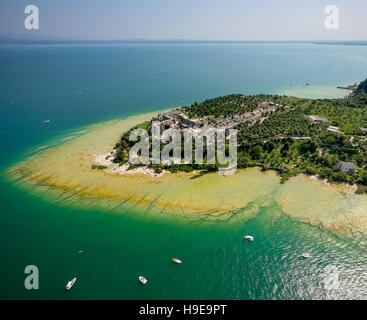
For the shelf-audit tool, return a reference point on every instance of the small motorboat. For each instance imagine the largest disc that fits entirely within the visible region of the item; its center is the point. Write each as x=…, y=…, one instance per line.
x=175, y=260
x=70, y=283
x=249, y=238
x=306, y=255
x=46, y=121
x=143, y=280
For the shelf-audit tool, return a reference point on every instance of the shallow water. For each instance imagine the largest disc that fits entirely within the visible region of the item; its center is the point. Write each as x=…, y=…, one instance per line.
x=39, y=83
x=63, y=174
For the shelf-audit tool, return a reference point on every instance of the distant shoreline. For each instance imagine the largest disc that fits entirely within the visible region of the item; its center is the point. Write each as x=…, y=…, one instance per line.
x=28, y=40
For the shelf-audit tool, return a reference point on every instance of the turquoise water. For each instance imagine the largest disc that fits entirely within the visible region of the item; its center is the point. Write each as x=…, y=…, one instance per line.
x=75, y=85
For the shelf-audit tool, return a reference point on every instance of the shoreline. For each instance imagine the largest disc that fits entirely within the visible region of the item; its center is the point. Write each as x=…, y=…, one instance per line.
x=65, y=171
x=113, y=168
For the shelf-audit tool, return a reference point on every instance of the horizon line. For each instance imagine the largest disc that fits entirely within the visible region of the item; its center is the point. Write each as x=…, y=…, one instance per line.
x=22, y=38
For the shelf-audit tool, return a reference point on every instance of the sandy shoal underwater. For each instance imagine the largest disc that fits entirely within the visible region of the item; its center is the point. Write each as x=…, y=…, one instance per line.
x=64, y=172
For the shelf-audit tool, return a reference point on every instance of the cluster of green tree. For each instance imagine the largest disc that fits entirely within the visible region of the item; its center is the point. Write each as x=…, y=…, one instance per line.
x=359, y=97
x=288, y=123
x=348, y=118
x=291, y=157
x=226, y=106
x=362, y=87
x=275, y=142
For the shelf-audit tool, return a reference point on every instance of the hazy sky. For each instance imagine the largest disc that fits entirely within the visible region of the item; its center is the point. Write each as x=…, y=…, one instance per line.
x=188, y=19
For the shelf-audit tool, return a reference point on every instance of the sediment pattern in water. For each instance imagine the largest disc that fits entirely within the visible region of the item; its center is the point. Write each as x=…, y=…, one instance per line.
x=63, y=173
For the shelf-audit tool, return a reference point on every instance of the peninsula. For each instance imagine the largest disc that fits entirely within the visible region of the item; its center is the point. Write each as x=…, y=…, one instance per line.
x=297, y=138
x=322, y=137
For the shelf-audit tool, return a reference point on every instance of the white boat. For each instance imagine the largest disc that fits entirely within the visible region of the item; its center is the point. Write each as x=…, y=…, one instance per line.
x=306, y=255
x=70, y=283
x=175, y=260
x=46, y=121
x=143, y=280
x=249, y=238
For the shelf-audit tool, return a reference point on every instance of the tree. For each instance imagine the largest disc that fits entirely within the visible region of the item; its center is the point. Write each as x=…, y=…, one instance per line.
x=308, y=146
x=256, y=152
x=330, y=139
x=269, y=146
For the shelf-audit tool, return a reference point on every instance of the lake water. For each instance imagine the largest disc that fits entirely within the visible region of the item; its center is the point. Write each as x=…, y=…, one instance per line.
x=77, y=85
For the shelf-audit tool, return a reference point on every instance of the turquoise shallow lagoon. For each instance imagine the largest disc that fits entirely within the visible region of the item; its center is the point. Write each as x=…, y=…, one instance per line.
x=77, y=85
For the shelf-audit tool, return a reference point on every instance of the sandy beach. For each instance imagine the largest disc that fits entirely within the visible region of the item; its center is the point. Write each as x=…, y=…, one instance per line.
x=105, y=159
